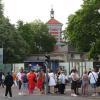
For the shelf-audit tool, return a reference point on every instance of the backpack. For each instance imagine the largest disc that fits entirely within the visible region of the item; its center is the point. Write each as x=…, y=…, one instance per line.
x=99, y=75
x=8, y=80
x=25, y=80
x=85, y=77
x=98, y=80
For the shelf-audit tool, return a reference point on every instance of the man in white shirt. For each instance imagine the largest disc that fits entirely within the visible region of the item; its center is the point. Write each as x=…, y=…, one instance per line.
x=62, y=77
x=93, y=78
x=19, y=77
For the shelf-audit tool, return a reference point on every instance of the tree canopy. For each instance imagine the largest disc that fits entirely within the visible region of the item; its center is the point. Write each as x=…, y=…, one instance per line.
x=83, y=30
x=14, y=47
x=1, y=8
x=23, y=40
x=36, y=35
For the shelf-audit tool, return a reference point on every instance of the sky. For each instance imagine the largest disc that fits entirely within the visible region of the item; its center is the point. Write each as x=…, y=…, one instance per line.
x=30, y=10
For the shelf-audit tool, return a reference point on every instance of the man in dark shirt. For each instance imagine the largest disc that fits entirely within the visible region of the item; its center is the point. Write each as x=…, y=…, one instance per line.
x=8, y=82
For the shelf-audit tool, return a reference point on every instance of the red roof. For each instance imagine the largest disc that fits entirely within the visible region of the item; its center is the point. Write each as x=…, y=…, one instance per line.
x=53, y=21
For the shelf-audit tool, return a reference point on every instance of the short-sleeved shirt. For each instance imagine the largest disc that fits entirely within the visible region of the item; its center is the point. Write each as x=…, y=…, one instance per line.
x=19, y=75
x=74, y=76
x=93, y=77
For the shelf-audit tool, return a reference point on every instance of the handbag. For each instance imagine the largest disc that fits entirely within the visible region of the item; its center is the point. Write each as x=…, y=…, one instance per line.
x=79, y=83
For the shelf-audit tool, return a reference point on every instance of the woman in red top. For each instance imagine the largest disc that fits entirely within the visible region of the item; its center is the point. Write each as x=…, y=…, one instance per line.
x=31, y=81
x=40, y=80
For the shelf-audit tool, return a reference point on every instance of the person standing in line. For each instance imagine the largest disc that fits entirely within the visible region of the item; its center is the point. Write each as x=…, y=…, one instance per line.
x=98, y=84
x=62, y=79
x=52, y=82
x=44, y=81
x=57, y=82
x=85, y=83
x=19, y=78
x=24, y=83
x=14, y=78
x=40, y=80
x=0, y=77
x=75, y=77
x=31, y=76
x=93, y=78
x=3, y=78
x=8, y=82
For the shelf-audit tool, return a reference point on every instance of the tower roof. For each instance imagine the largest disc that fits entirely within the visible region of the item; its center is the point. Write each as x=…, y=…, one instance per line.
x=53, y=21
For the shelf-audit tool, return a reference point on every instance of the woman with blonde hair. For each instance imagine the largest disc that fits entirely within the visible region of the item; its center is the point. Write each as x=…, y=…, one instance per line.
x=85, y=83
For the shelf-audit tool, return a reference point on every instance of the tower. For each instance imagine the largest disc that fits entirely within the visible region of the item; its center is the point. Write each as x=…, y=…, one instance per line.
x=52, y=13
x=55, y=29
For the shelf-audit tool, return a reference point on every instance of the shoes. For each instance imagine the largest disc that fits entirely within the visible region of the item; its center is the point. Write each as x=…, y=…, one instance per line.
x=9, y=97
x=5, y=96
x=19, y=93
x=74, y=95
x=78, y=94
x=93, y=95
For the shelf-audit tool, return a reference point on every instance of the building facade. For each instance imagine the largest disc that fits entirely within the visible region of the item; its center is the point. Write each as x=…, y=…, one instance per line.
x=55, y=29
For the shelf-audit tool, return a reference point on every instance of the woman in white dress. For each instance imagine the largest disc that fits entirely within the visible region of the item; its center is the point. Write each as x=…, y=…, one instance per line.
x=52, y=81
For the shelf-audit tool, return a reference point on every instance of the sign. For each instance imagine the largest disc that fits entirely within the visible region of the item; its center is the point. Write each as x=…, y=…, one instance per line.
x=56, y=58
x=1, y=55
x=96, y=64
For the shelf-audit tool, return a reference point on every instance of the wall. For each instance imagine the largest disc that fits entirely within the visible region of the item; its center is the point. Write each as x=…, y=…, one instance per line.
x=17, y=67
x=6, y=67
x=80, y=66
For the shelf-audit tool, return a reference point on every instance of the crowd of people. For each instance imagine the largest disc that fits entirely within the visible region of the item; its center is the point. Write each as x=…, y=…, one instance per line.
x=52, y=83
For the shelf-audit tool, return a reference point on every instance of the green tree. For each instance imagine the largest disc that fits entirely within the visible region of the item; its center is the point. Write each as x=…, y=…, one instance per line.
x=37, y=36
x=25, y=31
x=1, y=8
x=43, y=41
x=83, y=29
x=25, y=40
x=15, y=49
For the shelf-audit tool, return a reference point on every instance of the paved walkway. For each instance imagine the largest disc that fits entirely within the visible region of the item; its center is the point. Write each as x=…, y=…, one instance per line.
x=45, y=97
